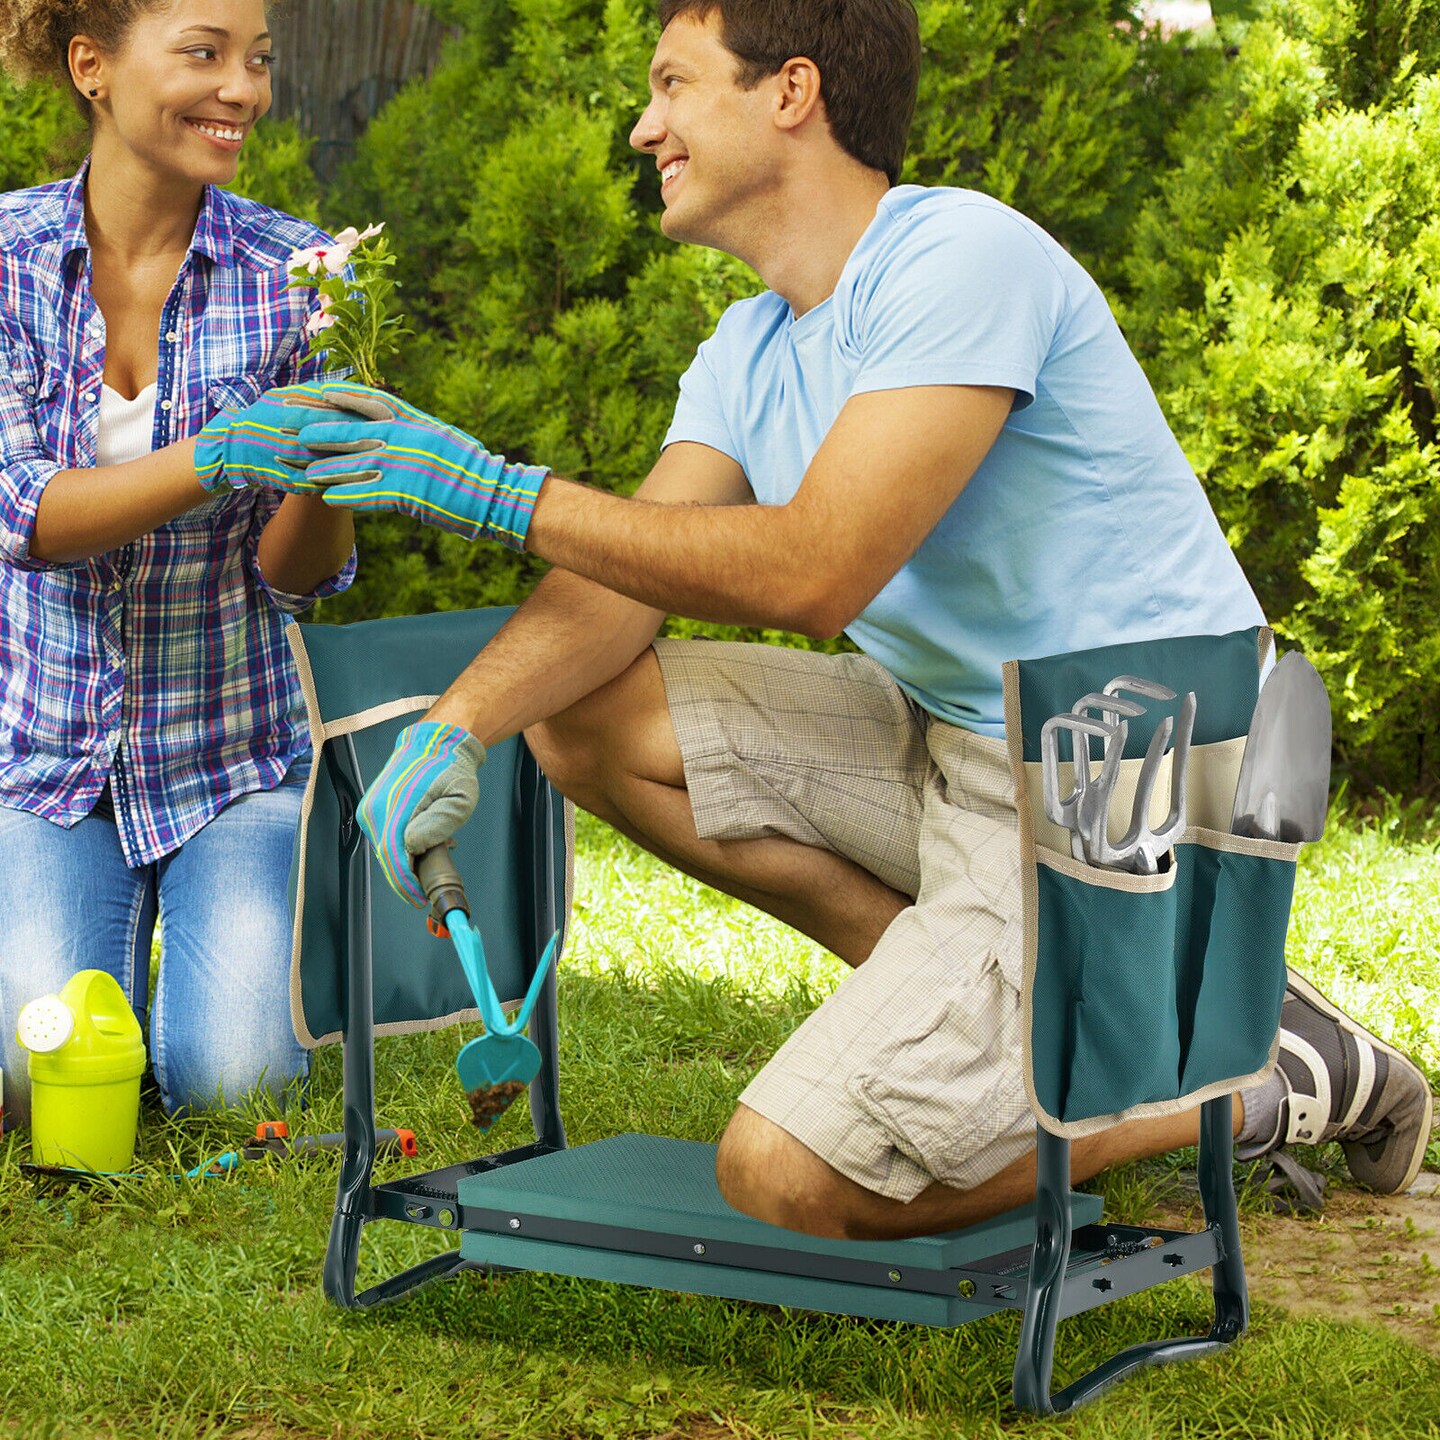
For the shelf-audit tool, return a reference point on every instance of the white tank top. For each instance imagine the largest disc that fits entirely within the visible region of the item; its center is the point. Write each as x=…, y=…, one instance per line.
x=125, y=426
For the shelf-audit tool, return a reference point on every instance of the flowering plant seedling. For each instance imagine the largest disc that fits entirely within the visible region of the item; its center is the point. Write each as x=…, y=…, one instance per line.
x=357, y=323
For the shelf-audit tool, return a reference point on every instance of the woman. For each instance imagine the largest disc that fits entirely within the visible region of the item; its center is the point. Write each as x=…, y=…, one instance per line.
x=152, y=741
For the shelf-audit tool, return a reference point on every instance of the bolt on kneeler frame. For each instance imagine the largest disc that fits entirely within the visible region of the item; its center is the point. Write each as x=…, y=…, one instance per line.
x=645, y=1210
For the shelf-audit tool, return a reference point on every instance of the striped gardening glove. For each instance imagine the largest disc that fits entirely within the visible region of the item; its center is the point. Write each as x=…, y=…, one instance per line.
x=400, y=458
x=425, y=793
x=260, y=445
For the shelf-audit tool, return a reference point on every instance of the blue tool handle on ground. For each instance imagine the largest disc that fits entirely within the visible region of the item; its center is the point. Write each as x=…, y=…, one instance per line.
x=218, y=1166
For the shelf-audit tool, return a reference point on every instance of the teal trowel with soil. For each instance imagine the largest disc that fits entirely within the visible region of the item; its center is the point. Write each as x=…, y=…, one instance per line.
x=495, y=1068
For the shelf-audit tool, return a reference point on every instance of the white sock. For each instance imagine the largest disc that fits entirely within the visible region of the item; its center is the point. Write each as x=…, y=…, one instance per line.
x=1260, y=1126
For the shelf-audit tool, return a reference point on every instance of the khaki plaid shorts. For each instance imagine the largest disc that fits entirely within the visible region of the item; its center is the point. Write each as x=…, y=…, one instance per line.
x=910, y=1072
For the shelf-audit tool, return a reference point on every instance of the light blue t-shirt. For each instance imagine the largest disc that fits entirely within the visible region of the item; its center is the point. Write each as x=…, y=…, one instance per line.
x=1084, y=525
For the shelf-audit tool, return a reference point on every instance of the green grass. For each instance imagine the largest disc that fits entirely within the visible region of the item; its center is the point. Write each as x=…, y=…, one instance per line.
x=193, y=1309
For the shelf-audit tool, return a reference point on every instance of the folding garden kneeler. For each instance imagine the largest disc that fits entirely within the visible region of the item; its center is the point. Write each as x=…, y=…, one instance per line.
x=1145, y=994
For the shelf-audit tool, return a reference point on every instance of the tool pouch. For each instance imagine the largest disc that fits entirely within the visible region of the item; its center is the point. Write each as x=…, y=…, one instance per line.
x=1146, y=994
x=363, y=684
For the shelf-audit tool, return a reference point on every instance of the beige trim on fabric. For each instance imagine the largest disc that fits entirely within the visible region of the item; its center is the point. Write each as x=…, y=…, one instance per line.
x=307, y=804
x=408, y=1027
x=1108, y=879
x=1210, y=798
x=1029, y=885
x=378, y=714
x=1078, y=1129
x=1243, y=844
x=1265, y=650
x=320, y=732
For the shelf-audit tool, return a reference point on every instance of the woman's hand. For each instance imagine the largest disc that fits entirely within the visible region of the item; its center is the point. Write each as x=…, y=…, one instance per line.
x=260, y=445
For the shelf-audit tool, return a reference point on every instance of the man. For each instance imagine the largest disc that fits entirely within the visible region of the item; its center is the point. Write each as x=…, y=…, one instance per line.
x=929, y=434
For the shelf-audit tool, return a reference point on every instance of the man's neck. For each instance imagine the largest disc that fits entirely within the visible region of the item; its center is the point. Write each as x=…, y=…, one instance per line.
x=801, y=253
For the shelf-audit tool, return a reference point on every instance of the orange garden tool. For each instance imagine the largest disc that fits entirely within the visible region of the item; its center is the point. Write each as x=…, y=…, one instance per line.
x=272, y=1137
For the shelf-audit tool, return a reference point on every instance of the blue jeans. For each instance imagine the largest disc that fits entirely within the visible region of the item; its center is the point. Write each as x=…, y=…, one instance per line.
x=221, y=1020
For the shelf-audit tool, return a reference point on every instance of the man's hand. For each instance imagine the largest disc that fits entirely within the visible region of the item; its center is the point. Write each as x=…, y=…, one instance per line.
x=399, y=458
x=260, y=445
x=425, y=793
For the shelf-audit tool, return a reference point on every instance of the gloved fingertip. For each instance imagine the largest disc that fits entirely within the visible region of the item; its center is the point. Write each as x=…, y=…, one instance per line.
x=355, y=485
x=360, y=400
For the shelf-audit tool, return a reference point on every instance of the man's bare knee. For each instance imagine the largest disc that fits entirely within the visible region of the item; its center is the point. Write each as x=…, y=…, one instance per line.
x=749, y=1164
x=766, y=1173
x=623, y=728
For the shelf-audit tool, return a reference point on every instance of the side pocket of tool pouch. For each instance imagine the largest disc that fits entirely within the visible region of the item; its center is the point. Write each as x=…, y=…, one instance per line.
x=1105, y=1019
x=1235, y=901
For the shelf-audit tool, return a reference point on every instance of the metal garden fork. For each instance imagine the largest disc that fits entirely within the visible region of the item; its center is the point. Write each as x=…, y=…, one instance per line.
x=1085, y=811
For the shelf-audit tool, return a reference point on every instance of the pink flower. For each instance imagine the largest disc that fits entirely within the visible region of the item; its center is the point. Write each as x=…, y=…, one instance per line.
x=309, y=260
x=320, y=320
x=337, y=255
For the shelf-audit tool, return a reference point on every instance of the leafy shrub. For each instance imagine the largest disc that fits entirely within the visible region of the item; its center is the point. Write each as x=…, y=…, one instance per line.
x=42, y=137
x=1284, y=296
x=275, y=170
x=1058, y=107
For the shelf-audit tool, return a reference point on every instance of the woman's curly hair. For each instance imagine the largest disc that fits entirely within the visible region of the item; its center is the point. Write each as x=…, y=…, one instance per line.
x=35, y=35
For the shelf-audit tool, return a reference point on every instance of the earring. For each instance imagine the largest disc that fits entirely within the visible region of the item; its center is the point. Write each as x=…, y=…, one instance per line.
x=94, y=93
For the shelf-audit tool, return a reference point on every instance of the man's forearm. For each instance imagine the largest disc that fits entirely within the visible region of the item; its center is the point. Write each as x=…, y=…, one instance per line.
x=568, y=639
x=733, y=564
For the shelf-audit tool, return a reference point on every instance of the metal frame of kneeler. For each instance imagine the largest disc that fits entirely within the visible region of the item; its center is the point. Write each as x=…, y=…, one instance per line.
x=645, y=1210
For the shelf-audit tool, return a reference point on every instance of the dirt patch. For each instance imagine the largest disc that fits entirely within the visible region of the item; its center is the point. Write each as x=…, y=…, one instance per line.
x=703, y=1428
x=1368, y=1257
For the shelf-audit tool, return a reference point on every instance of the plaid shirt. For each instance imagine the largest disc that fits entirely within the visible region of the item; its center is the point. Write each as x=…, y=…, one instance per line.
x=161, y=666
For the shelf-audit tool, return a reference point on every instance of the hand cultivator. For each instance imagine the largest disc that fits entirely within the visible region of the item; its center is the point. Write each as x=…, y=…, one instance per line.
x=494, y=1068
x=1085, y=811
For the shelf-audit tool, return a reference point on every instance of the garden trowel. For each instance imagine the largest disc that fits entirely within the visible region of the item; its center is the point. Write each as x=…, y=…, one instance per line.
x=1284, y=787
x=494, y=1068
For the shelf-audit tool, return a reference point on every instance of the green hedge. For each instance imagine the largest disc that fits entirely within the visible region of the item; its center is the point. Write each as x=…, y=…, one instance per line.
x=1261, y=207
x=1283, y=290
x=41, y=136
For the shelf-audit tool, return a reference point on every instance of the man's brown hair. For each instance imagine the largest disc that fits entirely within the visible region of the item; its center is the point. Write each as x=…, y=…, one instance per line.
x=867, y=52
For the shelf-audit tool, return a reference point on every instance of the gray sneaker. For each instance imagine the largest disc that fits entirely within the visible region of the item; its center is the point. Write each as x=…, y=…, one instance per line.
x=1343, y=1083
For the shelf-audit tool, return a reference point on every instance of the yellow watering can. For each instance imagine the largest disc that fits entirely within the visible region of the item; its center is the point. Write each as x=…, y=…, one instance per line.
x=86, y=1058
